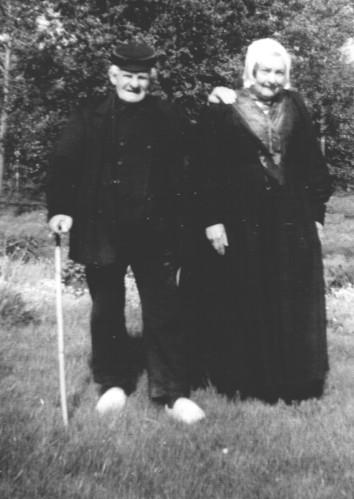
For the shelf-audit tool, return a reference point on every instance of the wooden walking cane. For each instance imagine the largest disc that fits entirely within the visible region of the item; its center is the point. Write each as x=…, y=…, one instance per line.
x=59, y=311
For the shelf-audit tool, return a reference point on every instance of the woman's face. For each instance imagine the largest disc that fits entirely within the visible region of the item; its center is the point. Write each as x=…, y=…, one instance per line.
x=270, y=76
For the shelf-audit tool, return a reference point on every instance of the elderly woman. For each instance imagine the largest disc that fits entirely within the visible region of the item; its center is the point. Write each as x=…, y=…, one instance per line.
x=263, y=195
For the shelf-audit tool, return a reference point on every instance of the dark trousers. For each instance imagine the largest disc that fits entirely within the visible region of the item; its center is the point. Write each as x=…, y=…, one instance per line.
x=115, y=356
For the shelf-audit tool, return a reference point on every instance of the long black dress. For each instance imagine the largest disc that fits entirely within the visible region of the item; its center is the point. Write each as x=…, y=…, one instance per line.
x=262, y=318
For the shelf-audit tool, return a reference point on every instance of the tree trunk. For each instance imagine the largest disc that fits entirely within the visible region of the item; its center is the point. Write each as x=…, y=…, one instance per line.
x=4, y=109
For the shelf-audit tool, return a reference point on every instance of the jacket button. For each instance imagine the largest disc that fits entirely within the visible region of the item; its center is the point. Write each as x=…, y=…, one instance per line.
x=149, y=146
x=122, y=143
x=119, y=162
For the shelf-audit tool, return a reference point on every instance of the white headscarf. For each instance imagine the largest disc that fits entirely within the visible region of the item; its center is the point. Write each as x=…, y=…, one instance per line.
x=255, y=53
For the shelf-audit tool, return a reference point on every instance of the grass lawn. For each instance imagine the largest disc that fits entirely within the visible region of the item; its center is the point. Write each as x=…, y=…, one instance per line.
x=243, y=450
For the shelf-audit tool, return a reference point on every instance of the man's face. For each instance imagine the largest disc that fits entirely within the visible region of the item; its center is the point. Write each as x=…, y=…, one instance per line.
x=130, y=87
x=269, y=77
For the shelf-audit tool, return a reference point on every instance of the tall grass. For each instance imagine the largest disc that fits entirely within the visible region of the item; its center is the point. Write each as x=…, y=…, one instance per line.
x=243, y=450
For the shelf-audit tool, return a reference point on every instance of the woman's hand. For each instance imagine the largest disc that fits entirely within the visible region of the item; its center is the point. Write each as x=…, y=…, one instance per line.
x=218, y=237
x=223, y=95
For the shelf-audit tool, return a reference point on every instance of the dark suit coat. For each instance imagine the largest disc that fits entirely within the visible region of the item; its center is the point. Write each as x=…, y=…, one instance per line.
x=84, y=182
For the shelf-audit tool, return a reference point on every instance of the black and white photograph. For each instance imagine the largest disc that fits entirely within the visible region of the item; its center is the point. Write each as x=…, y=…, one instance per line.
x=177, y=249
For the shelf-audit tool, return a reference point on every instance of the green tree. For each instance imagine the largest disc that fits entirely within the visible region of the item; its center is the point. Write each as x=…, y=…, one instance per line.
x=61, y=49
x=68, y=61
x=17, y=20
x=314, y=31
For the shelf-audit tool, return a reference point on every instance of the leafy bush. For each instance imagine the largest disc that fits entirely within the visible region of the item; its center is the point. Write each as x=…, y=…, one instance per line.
x=74, y=278
x=339, y=272
x=200, y=44
x=14, y=311
x=25, y=236
x=23, y=248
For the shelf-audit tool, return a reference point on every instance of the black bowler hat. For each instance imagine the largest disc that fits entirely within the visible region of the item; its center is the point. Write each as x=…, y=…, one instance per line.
x=134, y=56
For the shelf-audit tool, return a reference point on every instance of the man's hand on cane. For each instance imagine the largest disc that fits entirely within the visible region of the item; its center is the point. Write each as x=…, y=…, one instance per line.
x=60, y=224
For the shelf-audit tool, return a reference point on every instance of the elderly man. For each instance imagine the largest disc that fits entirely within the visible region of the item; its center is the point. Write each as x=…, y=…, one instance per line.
x=114, y=183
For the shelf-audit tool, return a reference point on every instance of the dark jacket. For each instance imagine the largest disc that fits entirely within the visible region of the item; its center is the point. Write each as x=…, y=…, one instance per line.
x=100, y=175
